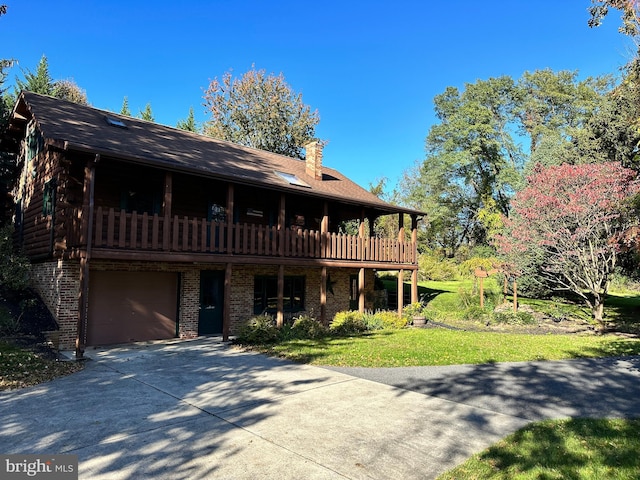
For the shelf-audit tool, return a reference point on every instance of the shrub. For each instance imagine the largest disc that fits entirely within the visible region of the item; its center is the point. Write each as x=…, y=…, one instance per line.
x=467, y=267
x=511, y=318
x=389, y=319
x=476, y=314
x=258, y=330
x=305, y=326
x=14, y=267
x=348, y=323
x=435, y=267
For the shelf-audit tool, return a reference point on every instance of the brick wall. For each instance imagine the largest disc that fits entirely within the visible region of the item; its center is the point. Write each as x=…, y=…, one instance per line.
x=58, y=283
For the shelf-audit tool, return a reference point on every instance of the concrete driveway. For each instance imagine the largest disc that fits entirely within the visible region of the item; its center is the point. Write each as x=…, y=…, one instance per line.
x=201, y=409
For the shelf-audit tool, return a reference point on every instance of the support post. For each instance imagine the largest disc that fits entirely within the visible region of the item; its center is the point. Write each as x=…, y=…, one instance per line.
x=280, y=305
x=87, y=229
x=230, y=198
x=226, y=309
x=281, y=224
x=323, y=297
x=361, y=290
x=168, y=194
x=400, y=292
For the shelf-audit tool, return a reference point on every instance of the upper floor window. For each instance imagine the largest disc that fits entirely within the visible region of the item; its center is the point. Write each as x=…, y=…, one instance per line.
x=49, y=198
x=34, y=141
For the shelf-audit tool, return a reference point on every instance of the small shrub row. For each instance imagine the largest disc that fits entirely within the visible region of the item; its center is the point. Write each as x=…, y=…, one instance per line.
x=262, y=329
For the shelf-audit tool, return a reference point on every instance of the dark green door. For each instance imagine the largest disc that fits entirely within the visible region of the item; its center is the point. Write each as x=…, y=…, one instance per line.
x=211, y=298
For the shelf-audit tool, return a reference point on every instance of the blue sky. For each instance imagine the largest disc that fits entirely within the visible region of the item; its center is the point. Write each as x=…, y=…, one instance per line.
x=370, y=68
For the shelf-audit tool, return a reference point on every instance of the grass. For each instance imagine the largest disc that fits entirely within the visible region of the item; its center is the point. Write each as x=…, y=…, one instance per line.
x=559, y=449
x=423, y=347
x=20, y=367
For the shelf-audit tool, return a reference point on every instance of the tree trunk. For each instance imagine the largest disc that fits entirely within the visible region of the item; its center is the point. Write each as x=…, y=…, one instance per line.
x=597, y=312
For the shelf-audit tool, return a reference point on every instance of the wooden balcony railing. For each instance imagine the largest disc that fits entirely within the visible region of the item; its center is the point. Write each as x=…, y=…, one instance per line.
x=142, y=232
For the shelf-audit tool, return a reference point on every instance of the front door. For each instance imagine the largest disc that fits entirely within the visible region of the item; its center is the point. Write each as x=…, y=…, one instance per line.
x=211, y=299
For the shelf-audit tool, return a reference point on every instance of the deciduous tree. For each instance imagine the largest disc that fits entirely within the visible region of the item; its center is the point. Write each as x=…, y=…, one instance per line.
x=630, y=14
x=260, y=111
x=566, y=220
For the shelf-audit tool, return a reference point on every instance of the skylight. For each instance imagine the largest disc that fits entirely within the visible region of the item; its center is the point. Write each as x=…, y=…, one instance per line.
x=115, y=122
x=291, y=179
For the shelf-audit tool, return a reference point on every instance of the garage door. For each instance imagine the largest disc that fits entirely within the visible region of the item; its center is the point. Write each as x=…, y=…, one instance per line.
x=131, y=307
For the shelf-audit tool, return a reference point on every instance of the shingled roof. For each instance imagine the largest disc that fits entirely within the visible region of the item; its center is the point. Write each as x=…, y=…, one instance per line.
x=83, y=128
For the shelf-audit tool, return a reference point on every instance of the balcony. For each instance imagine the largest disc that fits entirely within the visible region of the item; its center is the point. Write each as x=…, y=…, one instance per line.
x=118, y=231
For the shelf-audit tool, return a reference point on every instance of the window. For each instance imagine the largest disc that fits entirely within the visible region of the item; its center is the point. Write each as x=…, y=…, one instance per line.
x=291, y=179
x=49, y=198
x=115, y=122
x=35, y=142
x=265, y=294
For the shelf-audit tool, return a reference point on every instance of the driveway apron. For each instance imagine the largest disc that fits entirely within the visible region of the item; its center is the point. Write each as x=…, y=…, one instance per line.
x=203, y=409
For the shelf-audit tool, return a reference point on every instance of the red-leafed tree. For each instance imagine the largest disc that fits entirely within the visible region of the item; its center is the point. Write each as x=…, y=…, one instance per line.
x=566, y=221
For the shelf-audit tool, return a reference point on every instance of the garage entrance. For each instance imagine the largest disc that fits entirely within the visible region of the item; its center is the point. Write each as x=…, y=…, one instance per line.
x=129, y=307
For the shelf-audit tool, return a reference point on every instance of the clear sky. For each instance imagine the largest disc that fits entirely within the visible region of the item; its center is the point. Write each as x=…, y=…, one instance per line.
x=370, y=68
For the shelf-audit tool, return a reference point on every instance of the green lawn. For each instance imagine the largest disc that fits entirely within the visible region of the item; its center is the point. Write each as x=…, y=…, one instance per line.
x=422, y=347
x=560, y=449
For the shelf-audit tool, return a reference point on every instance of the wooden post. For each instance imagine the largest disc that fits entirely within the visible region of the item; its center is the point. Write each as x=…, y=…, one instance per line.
x=481, y=292
x=323, y=297
x=168, y=193
x=87, y=228
x=324, y=231
x=230, y=198
x=281, y=224
x=515, y=296
x=226, y=309
x=361, y=289
x=400, y=292
x=280, y=305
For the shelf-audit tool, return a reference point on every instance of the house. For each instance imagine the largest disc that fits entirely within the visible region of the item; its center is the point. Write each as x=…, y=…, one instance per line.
x=138, y=231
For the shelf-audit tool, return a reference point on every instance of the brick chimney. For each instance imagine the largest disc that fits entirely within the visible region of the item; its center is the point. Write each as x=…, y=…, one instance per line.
x=313, y=159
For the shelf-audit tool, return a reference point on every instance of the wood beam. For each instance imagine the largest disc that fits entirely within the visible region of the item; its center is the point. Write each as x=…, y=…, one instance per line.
x=229, y=212
x=281, y=224
x=400, y=291
x=323, y=297
x=226, y=308
x=361, y=290
x=280, y=306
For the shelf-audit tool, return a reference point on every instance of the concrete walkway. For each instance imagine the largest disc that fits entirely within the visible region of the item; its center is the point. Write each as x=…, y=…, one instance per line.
x=201, y=409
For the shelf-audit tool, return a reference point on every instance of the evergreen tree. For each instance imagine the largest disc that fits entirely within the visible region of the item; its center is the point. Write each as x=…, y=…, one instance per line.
x=38, y=82
x=189, y=124
x=125, y=107
x=147, y=114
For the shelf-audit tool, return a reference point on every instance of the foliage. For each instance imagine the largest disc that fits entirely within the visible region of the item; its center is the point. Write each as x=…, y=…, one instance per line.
x=305, y=326
x=38, y=82
x=348, y=323
x=514, y=318
x=433, y=266
x=42, y=83
x=258, y=330
x=569, y=214
x=468, y=267
x=147, y=114
x=189, y=124
x=388, y=319
x=629, y=8
x=260, y=111
x=14, y=267
x=475, y=154
x=577, y=448
x=125, y=107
